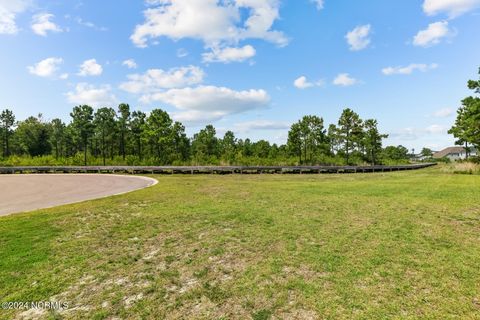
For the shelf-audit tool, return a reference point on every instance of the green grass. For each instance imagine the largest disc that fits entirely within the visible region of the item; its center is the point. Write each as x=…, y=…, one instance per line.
x=399, y=245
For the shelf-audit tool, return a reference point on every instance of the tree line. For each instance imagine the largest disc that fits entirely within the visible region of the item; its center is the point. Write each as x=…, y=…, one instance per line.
x=121, y=136
x=467, y=124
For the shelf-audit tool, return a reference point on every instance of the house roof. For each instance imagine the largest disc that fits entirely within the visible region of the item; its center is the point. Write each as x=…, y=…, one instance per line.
x=447, y=151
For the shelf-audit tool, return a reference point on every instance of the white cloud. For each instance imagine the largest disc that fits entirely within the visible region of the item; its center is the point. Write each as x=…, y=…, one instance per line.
x=453, y=8
x=407, y=134
x=84, y=23
x=303, y=83
x=15, y=5
x=409, y=69
x=46, y=67
x=432, y=35
x=410, y=134
x=89, y=24
x=229, y=54
x=248, y=126
x=91, y=95
x=444, y=113
x=320, y=4
x=344, y=79
x=154, y=80
x=358, y=38
x=209, y=103
x=7, y=22
x=182, y=53
x=130, y=64
x=41, y=24
x=436, y=129
x=8, y=12
x=64, y=76
x=213, y=22
x=90, y=68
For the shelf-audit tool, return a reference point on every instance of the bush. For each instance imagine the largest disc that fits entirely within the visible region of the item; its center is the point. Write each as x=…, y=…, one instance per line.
x=239, y=159
x=474, y=159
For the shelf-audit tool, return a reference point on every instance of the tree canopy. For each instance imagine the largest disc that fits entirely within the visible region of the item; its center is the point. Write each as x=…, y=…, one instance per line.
x=122, y=136
x=467, y=124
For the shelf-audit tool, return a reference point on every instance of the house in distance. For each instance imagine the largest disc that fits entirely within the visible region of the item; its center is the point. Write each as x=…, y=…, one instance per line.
x=454, y=153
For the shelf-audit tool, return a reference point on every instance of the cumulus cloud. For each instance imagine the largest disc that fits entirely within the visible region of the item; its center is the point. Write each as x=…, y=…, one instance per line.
x=213, y=22
x=358, y=39
x=41, y=24
x=130, y=64
x=248, y=126
x=453, y=8
x=9, y=9
x=303, y=83
x=7, y=22
x=433, y=35
x=90, y=68
x=94, y=96
x=229, y=54
x=444, y=113
x=345, y=80
x=46, y=67
x=409, y=69
x=319, y=3
x=154, y=80
x=209, y=103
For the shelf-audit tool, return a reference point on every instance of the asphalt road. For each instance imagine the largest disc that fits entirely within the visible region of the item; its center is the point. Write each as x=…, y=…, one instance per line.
x=20, y=193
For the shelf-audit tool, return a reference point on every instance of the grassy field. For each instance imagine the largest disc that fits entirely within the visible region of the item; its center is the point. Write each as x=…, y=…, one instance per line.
x=369, y=246
x=461, y=168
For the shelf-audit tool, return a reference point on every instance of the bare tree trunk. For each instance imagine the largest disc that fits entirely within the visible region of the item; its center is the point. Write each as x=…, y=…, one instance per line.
x=123, y=144
x=85, y=152
x=139, y=143
x=103, y=147
x=6, y=150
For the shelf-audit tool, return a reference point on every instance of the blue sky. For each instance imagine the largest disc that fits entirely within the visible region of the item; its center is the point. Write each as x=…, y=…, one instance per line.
x=251, y=66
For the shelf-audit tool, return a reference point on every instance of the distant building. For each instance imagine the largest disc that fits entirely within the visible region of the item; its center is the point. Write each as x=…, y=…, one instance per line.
x=454, y=153
x=421, y=157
